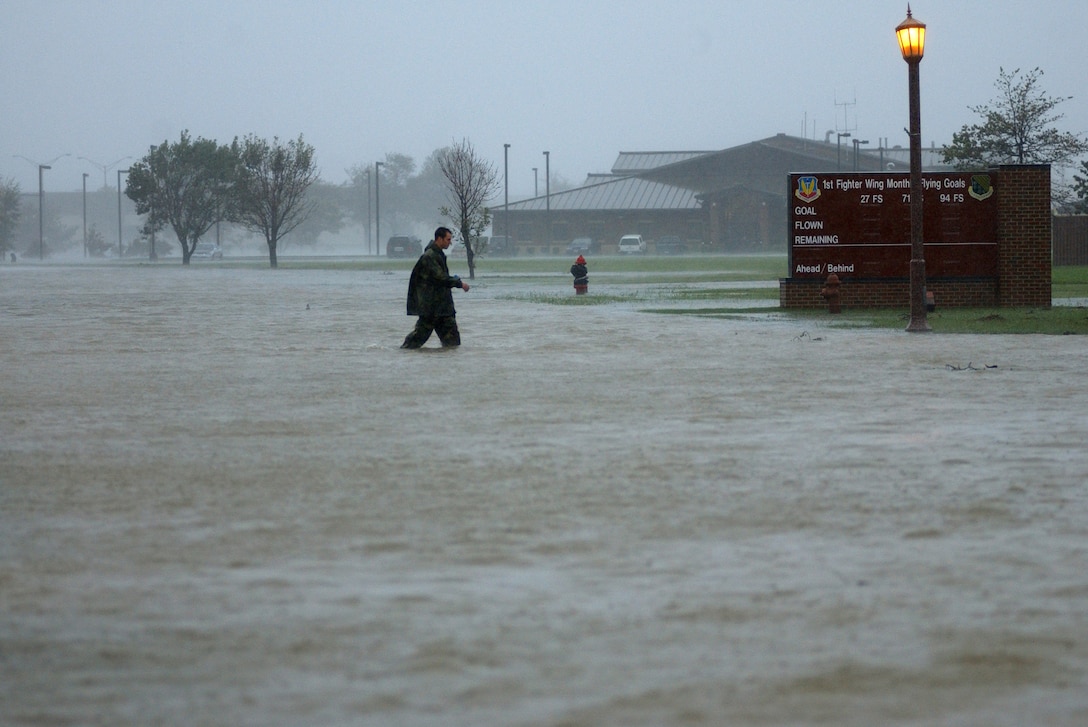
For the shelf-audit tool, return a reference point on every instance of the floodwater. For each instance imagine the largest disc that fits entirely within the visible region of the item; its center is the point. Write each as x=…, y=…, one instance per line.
x=228, y=498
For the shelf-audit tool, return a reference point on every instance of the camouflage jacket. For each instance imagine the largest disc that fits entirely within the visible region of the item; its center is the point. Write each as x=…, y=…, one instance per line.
x=430, y=289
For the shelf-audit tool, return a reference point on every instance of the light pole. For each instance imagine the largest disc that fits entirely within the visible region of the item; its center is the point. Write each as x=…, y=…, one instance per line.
x=911, y=35
x=838, y=155
x=506, y=192
x=857, y=143
x=377, y=208
x=368, y=213
x=41, y=198
x=41, y=208
x=547, y=197
x=105, y=167
x=120, y=245
x=85, y=175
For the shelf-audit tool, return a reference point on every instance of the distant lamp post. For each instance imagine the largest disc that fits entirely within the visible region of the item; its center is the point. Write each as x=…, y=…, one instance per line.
x=105, y=167
x=377, y=208
x=120, y=243
x=41, y=198
x=506, y=192
x=857, y=143
x=547, y=197
x=368, y=213
x=85, y=175
x=911, y=35
x=838, y=150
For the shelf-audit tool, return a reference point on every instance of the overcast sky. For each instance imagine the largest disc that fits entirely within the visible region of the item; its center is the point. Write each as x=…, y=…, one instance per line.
x=583, y=79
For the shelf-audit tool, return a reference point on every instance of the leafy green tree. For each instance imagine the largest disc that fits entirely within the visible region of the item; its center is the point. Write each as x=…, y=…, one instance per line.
x=1080, y=189
x=186, y=185
x=10, y=210
x=471, y=182
x=270, y=191
x=1017, y=128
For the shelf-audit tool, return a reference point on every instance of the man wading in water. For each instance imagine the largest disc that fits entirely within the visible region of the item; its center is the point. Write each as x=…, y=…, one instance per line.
x=430, y=295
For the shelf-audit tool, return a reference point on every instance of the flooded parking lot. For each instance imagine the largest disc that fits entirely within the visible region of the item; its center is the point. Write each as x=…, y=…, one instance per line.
x=227, y=497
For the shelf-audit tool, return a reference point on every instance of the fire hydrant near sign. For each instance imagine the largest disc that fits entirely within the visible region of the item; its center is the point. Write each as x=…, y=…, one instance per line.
x=830, y=293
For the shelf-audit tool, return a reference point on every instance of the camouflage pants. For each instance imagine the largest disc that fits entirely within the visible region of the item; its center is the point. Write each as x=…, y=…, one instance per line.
x=445, y=326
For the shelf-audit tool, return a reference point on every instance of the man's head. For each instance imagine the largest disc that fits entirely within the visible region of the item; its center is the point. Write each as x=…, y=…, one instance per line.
x=443, y=237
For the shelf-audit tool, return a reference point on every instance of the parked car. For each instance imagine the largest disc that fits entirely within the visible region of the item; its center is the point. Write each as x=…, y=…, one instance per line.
x=671, y=245
x=583, y=246
x=206, y=251
x=632, y=244
x=403, y=246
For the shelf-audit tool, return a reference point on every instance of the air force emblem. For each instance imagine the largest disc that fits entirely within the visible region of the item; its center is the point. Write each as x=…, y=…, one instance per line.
x=807, y=189
x=980, y=186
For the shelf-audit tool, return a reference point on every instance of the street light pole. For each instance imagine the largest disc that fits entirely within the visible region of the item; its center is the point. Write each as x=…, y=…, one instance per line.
x=41, y=208
x=506, y=192
x=838, y=155
x=547, y=198
x=857, y=143
x=105, y=167
x=120, y=244
x=368, y=213
x=85, y=175
x=377, y=208
x=911, y=35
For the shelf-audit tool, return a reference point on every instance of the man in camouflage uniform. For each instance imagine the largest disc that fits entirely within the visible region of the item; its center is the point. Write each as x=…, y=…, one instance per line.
x=430, y=295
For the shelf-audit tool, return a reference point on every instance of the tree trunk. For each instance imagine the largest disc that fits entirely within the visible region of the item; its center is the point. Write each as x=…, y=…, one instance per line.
x=272, y=255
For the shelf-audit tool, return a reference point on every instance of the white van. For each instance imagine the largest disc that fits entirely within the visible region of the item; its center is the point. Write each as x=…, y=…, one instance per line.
x=632, y=244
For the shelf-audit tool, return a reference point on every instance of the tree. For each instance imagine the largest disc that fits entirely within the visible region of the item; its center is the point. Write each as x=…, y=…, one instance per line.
x=10, y=209
x=1080, y=189
x=270, y=191
x=471, y=182
x=186, y=185
x=1016, y=128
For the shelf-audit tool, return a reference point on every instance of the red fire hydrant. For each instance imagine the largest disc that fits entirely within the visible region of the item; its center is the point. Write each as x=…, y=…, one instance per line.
x=830, y=293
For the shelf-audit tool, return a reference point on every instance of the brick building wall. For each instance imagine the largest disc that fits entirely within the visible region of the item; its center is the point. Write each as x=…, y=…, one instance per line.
x=1024, y=258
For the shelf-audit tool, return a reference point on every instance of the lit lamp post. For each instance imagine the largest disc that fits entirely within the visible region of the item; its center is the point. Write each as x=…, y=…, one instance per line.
x=912, y=40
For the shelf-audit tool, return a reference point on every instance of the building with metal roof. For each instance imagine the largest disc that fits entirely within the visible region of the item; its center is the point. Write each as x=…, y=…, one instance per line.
x=729, y=200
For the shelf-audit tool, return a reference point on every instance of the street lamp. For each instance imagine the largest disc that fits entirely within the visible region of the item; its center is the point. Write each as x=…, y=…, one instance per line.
x=120, y=245
x=911, y=35
x=41, y=198
x=857, y=143
x=368, y=213
x=838, y=155
x=377, y=208
x=547, y=197
x=506, y=193
x=105, y=167
x=85, y=175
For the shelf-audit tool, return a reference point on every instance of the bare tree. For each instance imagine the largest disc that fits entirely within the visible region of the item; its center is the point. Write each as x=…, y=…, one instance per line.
x=472, y=181
x=270, y=192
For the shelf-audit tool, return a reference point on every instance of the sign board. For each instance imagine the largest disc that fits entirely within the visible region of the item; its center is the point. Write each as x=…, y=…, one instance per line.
x=857, y=225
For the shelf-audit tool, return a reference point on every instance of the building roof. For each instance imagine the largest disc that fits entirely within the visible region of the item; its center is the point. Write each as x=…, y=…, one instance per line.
x=633, y=162
x=621, y=193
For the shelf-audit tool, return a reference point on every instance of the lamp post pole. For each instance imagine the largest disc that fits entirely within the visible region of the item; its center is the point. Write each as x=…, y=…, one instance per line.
x=857, y=143
x=368, y=212
x=506, y=192
x=547, y=198
x=41, y=200
x=377, y=208
x=911, y=35
x=838, y=149
x=85, y=175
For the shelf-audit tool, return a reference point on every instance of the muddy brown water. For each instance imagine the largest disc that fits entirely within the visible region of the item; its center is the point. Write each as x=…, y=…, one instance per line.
x=228, y=498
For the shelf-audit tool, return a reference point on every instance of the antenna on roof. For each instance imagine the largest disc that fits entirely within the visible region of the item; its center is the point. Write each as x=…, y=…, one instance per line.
x=846, y=127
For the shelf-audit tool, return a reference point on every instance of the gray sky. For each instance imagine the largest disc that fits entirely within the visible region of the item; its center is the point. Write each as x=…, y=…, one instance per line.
x=584, y=79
